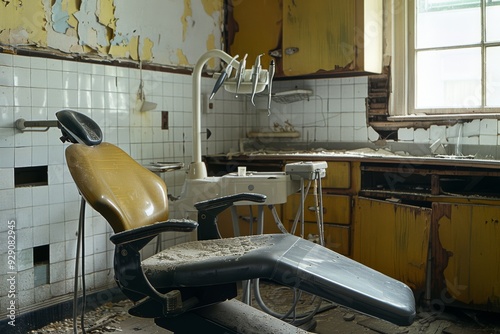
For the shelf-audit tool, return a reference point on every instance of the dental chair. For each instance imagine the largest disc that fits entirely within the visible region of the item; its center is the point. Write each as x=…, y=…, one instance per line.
x=192, y=286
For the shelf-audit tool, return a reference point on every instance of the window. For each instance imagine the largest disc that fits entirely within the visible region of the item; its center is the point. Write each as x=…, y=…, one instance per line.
x=453, y=56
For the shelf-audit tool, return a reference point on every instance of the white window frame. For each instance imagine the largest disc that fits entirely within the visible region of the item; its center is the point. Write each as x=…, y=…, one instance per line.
x=402, y=100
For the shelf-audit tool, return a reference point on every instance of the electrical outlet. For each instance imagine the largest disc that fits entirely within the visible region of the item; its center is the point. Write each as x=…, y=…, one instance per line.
x=164, y=120
x=207, y=104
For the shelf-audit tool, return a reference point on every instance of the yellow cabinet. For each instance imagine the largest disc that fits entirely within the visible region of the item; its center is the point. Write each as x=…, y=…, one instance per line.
x=338, y=175
x=244, y=215
x=336, y=236
x=466, y=254
x=336, y=218
x=336, y=208
x=393, y=239
x=307, y=38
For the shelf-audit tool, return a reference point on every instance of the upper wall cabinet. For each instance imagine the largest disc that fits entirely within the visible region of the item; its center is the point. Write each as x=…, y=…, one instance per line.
x=308, y=38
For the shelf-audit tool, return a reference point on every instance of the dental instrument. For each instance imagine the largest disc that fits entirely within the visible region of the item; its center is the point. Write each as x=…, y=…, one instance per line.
x=240, y=74
x=223, y=76
x=272, y=69
x=255, y=76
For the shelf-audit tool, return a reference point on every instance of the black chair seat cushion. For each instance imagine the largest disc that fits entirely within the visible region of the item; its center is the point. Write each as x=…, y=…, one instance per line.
x=284, y=259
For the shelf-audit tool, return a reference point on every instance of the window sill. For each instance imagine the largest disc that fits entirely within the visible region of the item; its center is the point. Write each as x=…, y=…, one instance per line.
x=443, y=117
x=393, y=123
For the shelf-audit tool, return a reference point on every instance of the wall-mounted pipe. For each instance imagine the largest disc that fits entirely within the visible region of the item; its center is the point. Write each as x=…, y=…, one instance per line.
x=21, y=124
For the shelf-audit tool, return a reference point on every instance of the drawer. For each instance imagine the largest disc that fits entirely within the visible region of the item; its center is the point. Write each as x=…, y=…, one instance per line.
x=338, y=175
x=336, y=208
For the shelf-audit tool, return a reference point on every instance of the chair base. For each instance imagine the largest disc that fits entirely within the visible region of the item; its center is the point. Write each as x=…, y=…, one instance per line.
x=230, y=317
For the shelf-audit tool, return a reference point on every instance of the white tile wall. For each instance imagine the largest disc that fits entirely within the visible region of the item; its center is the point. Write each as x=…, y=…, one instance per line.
x=336, y=111
x=36, y=88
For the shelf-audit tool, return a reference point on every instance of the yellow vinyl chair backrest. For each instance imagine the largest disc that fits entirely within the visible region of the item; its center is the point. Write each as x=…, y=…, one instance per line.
x=124, y=192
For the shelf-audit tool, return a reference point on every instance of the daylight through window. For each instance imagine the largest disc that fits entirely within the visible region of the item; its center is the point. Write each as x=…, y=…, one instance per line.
x=456, y=50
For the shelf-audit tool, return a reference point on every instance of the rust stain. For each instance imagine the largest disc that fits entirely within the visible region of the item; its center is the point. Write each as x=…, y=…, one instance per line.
x=182, y=58
x=188, y=12
x=440, y=255
x=212, y=6
x=147, y=50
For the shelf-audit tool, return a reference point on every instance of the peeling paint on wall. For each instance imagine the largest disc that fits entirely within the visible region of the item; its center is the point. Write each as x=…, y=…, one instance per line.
x=165, y=32
x=59, y=18
x=22, y=23
x=90, y=31
x=187, y=18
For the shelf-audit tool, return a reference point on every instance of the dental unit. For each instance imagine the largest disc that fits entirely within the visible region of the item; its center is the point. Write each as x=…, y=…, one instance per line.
x=198, y=186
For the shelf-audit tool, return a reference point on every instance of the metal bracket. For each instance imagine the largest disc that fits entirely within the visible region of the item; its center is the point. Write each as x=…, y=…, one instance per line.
x=21, y=124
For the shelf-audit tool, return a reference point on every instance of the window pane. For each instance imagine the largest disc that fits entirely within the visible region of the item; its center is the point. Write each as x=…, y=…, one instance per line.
x=447, y=23
x=493, y=22
x=448, y=78
x=493, y=77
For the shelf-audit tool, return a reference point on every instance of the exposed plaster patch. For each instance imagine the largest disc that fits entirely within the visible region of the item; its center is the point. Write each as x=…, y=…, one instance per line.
x=210, y=42
x=23, y=23
x=90, y=31
x=68, y=40
x=147, y=50
x=183, y=61
x=71, y=7
x=59, y=17
x=106, y=14
x=187, y=18
x=212, y=7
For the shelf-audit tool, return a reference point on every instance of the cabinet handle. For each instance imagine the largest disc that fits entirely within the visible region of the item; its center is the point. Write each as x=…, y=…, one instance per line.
x=313, y=209
x=277, y=53
x=291, y=50
x=247, y=219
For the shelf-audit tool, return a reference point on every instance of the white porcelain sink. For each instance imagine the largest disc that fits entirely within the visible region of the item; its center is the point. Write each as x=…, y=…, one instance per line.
x=277, y=186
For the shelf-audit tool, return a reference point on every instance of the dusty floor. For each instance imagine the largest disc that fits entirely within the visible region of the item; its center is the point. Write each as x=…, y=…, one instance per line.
x=331, y=319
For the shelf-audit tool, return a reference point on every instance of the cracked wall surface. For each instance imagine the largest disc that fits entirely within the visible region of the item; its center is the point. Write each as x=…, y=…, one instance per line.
x=165, y=32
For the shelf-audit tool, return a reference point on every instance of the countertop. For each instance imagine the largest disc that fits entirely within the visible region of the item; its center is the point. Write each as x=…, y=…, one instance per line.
x=366, y=155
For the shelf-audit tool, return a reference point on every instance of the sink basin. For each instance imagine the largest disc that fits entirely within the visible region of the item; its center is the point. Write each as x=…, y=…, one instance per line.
x=277, y=186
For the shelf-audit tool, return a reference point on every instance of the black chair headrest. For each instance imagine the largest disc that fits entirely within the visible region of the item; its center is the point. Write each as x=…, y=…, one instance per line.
x=78, y=128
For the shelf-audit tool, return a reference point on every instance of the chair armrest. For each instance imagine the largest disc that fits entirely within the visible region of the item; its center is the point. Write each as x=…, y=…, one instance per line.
x=150, y=231
x=227, y=201
x=209, y=209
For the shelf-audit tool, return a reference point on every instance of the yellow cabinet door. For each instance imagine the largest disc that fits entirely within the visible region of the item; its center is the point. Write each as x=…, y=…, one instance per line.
x=329, y=35
x=393, y=239
x=254, y=28
x=308, y=37
x=338, y=175
x=466, y=254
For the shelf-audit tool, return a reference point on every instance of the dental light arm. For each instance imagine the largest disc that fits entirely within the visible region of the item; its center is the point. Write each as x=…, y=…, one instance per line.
x=197, y=169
